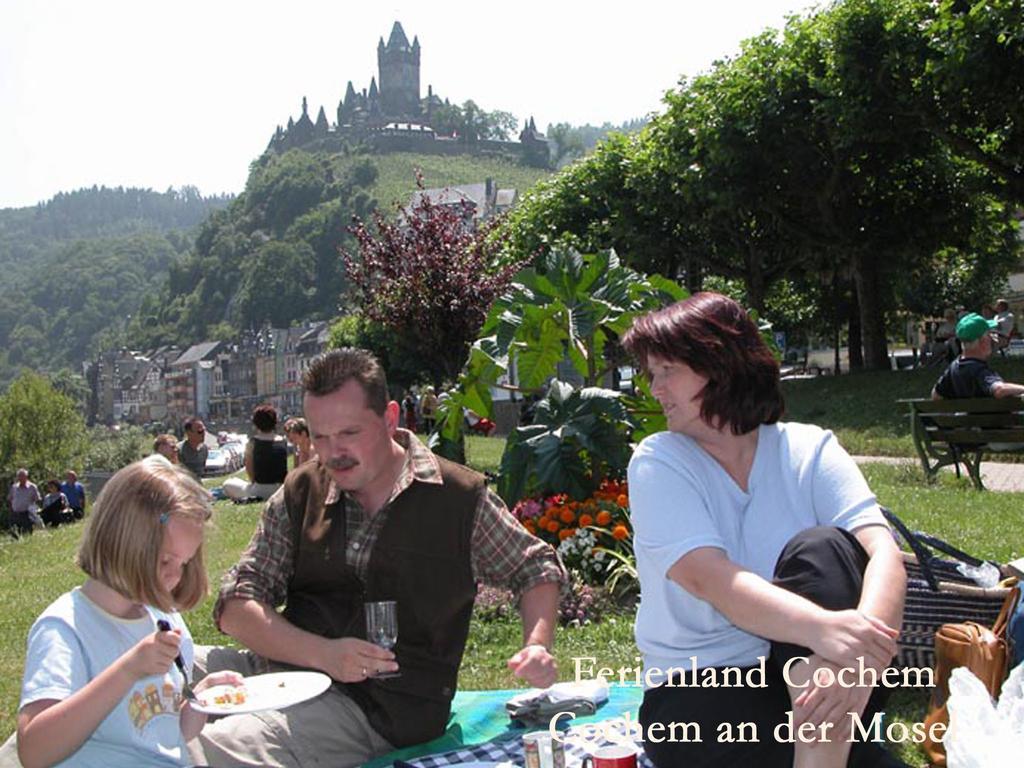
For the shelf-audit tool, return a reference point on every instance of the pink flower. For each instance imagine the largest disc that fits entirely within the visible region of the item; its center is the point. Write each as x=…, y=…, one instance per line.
x=528, y=508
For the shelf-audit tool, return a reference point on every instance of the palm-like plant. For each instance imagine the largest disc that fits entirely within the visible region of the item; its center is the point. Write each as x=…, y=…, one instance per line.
x=579, y=437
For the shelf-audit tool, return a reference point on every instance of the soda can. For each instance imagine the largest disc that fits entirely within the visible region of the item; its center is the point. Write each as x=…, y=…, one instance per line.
x=541, y=751
x=557, y=754
x=531, y=749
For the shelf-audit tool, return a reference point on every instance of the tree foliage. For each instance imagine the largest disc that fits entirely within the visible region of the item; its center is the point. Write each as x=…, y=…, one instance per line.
x=429, y=277
x=470, y=123
x=804, y=158
x=571, y=142
x=40, y=429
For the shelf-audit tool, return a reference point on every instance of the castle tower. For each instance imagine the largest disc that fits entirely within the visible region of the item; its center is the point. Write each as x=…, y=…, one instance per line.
x=399, y=67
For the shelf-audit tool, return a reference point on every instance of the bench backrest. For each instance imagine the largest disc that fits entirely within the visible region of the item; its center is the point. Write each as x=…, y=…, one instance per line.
x=972, y=421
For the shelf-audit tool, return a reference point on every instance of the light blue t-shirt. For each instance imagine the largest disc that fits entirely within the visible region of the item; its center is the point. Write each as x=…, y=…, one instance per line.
x=70, y=644
x=682, y=499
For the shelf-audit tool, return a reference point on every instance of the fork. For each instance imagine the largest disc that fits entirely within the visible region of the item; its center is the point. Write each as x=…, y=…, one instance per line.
x=186, y=688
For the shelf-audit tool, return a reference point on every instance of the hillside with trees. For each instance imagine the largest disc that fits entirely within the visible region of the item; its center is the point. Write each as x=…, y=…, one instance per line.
x=273, y=255
x=79, y=265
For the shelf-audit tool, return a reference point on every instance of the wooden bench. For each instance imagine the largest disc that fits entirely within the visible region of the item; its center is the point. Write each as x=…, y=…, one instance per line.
x=960, y=431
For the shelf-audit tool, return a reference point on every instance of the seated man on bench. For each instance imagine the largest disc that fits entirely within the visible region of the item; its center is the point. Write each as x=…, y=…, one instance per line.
x=969, y=375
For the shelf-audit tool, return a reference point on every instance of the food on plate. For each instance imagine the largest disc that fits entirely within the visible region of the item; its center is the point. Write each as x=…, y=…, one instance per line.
x=224, y=696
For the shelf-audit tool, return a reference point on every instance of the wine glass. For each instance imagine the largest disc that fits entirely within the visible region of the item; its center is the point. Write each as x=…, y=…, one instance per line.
x=382, y=628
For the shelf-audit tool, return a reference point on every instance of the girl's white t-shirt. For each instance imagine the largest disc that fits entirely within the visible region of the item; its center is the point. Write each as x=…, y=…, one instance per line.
x=74, y=640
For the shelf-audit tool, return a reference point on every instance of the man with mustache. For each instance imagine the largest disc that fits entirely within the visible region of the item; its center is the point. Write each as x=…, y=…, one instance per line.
x=376, y=517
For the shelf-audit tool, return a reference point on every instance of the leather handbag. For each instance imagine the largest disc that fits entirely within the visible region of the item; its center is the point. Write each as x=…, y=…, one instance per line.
x=982, y=650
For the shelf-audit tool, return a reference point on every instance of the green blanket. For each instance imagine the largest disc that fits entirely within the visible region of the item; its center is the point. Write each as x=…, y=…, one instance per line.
x=479, y=716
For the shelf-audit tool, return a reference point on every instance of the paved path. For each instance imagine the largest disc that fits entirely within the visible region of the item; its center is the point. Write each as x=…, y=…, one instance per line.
x=997, y=476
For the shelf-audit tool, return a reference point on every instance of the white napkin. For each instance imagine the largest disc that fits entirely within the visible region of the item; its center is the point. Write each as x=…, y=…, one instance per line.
x=594, y=691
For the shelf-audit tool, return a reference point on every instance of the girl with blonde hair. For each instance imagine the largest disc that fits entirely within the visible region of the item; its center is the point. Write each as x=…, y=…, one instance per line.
x=101, y=687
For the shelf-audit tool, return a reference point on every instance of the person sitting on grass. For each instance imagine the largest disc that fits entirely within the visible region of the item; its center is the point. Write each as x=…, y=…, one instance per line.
x=23, y=498
x=377, y=517
x=297, y=432
x=101, y=687
x=760, y=551
x=969, y=375
x=167, y=446
x=74, y=492
x=55, y=506
x=266, y=459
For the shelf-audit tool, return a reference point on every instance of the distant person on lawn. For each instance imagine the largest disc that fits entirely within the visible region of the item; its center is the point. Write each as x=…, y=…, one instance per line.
x=167, y=446
x=24, y=499
x=55, y=509
x=192, y=451
x=297, y=432
x=1005, y=324
x=266, y=459
x=74, y=491
x=969, y=375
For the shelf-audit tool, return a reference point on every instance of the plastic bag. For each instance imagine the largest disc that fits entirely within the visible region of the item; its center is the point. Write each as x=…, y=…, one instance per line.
x=981, y=734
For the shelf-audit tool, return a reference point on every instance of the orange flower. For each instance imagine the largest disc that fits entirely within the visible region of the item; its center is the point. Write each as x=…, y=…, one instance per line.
x=622, y=500
x=586, y=520
x=530, y=526
x=619, y=532
x=604, y=517
x=553, y=526
x=565, y=533
x=567, y=516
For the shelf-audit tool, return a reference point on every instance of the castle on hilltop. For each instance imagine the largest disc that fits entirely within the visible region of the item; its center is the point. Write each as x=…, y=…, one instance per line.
x=392, y=116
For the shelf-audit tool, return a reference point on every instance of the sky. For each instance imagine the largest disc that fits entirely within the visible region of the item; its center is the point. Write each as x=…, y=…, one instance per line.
x=155, y=94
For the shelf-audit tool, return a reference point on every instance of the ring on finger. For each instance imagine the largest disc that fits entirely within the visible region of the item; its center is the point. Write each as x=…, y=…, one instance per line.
x=365, y=674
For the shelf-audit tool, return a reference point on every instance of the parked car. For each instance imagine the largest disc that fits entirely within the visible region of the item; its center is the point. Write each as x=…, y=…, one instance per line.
x=218, y=462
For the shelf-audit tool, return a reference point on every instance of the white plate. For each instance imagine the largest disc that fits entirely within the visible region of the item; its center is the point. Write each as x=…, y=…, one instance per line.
x=275, y=690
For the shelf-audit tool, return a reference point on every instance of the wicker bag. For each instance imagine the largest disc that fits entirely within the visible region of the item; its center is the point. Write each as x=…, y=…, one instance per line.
x=937, y=594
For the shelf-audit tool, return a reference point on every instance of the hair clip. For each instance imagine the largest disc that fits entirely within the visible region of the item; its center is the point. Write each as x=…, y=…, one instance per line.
x=164, y=517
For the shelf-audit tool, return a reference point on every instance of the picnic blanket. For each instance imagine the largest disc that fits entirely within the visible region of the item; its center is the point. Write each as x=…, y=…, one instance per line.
x=480, y=729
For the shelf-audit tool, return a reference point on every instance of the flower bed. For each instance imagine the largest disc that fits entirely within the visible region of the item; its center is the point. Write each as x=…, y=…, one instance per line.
x=594, y=536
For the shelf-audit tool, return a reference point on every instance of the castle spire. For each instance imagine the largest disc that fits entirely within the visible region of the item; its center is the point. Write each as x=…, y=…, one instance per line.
x=305, y=107
x=398, y=38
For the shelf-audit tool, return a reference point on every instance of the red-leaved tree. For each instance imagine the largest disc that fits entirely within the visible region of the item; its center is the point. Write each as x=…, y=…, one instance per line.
x=430, y=277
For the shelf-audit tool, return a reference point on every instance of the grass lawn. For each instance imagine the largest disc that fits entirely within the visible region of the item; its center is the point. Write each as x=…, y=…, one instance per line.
x=35, y=571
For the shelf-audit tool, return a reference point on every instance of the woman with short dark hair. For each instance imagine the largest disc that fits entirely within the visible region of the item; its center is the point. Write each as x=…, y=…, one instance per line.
x=761, y=553
x=266, y=459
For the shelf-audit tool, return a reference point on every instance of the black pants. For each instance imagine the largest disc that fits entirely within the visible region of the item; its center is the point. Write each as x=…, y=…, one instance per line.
x=21, y=524
x=825, y=565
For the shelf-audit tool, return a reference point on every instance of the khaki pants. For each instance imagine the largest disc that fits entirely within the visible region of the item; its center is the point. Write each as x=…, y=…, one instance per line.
x=9, y=753
x=330, y=730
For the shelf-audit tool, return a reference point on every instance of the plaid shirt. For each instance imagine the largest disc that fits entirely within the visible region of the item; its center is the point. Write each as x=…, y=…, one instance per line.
x=503, y=553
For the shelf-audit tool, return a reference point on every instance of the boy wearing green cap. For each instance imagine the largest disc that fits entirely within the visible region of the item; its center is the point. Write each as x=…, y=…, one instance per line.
x=969, y=375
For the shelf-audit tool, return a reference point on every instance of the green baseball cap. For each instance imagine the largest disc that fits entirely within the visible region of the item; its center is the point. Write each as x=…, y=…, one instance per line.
x=973, y=326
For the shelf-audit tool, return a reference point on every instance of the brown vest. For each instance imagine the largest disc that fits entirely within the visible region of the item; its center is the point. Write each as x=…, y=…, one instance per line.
x=421, y=560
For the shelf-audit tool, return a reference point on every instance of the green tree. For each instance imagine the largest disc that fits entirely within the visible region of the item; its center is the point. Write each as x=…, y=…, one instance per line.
x=970, y=85
x=470, y=123
x=40, y=429
x=277, y=285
